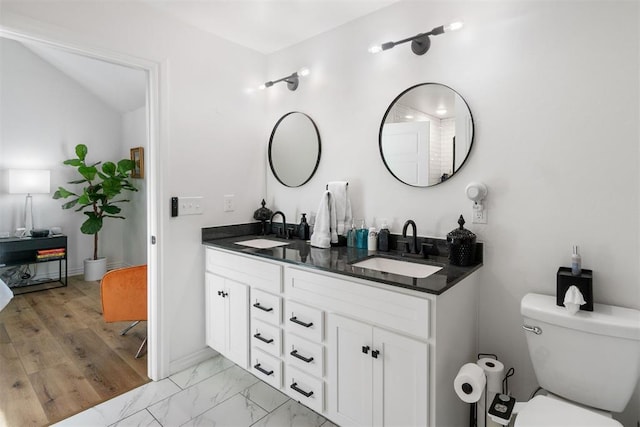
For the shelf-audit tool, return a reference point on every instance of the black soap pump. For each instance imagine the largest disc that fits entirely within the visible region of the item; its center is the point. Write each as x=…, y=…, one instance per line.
x=303, y=228
x=383, y=237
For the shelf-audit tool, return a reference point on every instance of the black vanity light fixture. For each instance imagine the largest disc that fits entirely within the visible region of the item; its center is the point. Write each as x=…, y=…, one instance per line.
x=292, y=80
x=420, y=43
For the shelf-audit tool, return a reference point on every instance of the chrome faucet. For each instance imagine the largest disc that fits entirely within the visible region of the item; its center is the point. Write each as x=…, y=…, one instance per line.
x=285, y=232
x=415, y=236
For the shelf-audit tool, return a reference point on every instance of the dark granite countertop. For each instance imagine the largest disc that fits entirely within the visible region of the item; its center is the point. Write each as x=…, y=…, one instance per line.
x=339, y=259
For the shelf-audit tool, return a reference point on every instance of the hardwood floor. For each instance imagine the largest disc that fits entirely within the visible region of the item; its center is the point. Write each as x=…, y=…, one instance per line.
x=58, y=356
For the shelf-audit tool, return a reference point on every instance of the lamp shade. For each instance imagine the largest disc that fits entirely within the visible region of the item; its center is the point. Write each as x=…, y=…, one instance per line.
x=29, y=181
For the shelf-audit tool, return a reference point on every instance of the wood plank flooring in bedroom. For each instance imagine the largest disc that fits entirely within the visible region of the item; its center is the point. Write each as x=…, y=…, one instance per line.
x=58, y=356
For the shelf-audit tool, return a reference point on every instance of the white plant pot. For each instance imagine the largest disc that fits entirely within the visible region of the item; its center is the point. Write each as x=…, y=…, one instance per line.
x=94, y=269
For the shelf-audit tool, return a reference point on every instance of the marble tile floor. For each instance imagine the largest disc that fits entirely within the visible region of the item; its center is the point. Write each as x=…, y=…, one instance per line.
x=213, y=393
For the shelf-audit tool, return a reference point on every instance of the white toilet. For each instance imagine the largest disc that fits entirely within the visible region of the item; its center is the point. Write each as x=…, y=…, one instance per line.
x=588, y=362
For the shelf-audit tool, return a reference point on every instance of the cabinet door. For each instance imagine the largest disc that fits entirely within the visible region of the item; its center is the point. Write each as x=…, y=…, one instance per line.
x=349, y=371
x=400, y=380
x=237, y=300
x=216, y=316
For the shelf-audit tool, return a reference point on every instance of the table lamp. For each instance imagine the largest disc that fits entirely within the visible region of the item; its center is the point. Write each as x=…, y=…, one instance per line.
x=29, y=181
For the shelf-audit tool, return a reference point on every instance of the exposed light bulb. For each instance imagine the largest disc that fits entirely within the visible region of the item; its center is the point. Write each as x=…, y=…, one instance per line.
x=408, y=116
x=303, y=72
x=441, y=111
x=454, y=26
x=262, y=87
x=375, y=49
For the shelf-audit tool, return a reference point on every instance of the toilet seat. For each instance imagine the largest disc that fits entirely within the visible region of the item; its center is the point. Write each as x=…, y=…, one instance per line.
x=545, y=411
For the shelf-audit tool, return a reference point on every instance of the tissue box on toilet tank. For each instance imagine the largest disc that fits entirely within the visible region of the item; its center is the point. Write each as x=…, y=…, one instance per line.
x=584, y=283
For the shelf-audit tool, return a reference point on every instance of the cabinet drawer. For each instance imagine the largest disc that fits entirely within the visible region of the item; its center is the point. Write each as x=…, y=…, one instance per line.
x=305, y=355
x=267, y=337
x=266, y=367
x=256, y=273
x=304, y=388
x=305, y=321
x=266, y=307
x=404, y=313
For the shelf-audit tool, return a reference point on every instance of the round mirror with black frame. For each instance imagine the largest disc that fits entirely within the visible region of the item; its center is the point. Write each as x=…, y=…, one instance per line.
x=426, y=134
x=294, y=149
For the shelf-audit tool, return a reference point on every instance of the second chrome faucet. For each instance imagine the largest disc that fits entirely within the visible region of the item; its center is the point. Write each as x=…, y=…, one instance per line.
x=411, y=247
x=285, y=232
x=408, y=249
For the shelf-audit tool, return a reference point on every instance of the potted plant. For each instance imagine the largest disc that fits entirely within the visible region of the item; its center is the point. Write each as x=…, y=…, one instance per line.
x=97, y=199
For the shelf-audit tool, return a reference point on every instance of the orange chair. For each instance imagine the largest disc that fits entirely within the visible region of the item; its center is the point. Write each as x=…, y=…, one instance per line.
x=124, y=297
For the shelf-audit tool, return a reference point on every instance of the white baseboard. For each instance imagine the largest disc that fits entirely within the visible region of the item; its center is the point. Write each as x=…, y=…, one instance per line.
x=190, y=360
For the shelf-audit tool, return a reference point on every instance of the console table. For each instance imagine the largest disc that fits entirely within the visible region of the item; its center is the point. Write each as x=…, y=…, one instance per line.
x=34, y=250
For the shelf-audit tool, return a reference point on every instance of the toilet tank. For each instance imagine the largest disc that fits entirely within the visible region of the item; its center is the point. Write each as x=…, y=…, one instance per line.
x=592, y=357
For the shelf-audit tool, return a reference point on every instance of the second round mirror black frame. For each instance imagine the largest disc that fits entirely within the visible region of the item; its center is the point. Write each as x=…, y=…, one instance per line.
x=389, y=109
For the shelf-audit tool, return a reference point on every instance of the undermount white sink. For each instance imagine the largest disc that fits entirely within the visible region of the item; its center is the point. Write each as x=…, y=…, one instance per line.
x=395, y=266
x=262, y=243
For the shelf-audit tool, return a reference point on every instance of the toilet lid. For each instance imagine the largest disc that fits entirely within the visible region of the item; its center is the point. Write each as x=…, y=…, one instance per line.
x=545, y=411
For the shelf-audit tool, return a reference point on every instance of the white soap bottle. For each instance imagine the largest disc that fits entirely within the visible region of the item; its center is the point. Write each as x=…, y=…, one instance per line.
x=372, y=239
x=576, y=262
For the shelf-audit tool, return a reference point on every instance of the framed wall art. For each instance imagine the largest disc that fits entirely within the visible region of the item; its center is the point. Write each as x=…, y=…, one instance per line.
x=137, y=156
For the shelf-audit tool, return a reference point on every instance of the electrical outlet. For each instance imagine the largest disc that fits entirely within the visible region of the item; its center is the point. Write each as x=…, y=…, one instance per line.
x=229, y=204
x=190, y=206
x=479, y=214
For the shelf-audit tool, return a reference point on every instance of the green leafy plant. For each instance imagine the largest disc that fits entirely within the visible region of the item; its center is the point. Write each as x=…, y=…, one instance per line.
x=97, y=199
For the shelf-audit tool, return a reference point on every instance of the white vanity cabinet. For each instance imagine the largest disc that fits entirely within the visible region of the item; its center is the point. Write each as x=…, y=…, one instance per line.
x=377, y=377
x=360, y=353
x=391, y=353
x=226, y=317
x=231, y=282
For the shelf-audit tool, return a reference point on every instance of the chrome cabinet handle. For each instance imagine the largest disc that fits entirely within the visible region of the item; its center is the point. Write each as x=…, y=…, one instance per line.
x=260, y=307
x=536, y=330
x=301, y=391
x=261, y=338
x=294, y=319
x=295, y=354
x=259, y=368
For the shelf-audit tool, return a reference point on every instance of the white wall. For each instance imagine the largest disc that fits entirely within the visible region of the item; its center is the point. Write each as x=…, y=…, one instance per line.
x=134, y=237
x=553, y=89
x=43, y=115
x=211, y=140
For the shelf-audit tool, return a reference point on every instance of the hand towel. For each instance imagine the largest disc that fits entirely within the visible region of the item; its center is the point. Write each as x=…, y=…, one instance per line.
x=339, y=192
x=324, y=229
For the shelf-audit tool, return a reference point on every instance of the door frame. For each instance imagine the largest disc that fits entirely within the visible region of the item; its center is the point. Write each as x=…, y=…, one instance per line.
x=157, y=342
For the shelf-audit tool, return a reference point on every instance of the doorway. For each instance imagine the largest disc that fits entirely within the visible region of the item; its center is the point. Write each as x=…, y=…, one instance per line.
x=138, y=249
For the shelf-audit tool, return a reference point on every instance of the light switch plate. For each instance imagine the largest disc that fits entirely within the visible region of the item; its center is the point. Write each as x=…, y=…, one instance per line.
x=229, y=205
x=190, y=205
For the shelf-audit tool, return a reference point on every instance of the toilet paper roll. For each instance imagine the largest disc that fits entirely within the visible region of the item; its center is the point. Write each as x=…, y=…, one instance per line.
x=494, y=372
x=469, y=383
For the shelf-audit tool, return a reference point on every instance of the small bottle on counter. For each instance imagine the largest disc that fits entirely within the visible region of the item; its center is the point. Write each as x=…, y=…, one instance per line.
x=361, y=236
x=372, y=239
x=303, y=228
x=351, y=236
x=576, y=262
x=383, y=237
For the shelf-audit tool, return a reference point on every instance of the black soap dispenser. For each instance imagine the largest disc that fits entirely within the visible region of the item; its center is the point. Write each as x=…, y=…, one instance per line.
x=303, y=228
